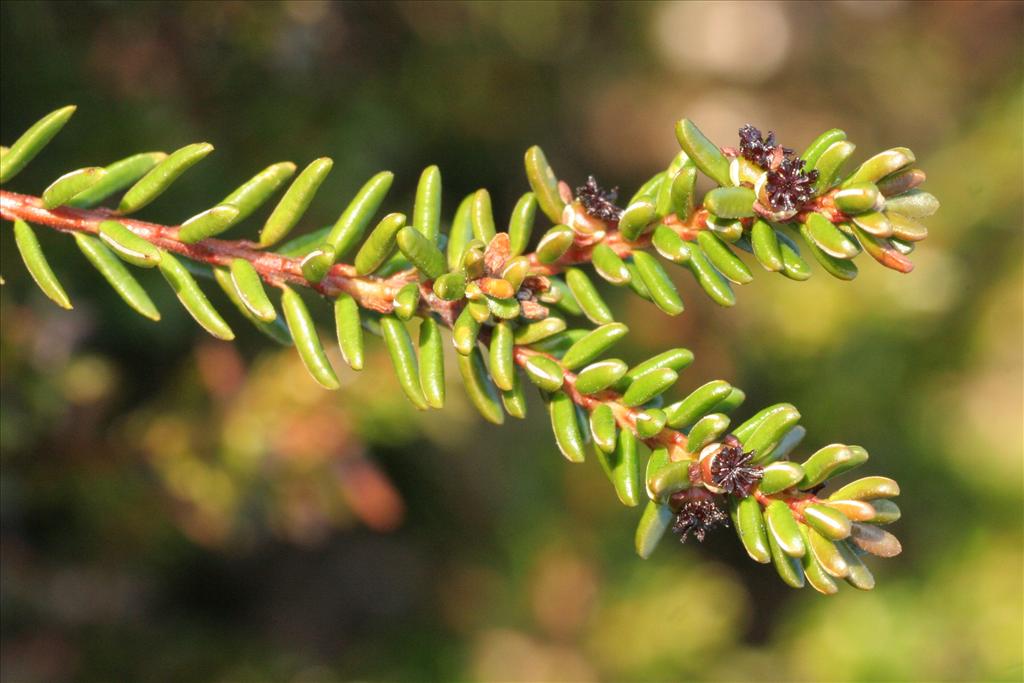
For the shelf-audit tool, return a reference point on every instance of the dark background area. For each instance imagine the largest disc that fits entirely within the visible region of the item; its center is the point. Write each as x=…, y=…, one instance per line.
x=177, y=508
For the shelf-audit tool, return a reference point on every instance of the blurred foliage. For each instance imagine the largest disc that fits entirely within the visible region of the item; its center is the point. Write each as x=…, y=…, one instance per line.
x=174, y=508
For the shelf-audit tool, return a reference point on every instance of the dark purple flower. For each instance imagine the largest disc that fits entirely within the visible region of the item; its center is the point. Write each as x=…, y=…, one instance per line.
x=732, y=472
x=698, y=517
x=598, y=202
x=757, y=150
x=788, y=186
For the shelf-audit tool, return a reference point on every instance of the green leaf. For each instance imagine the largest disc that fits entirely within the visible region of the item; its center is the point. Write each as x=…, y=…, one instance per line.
x=520, y=226
x=827, y=554
x=779, y=476
x=699, y=403
x=31, y=142
x=766, y=246
x=115, y=273
x=881, y=165
x=407, y=300
x=450, y=286
x=555, y=243
x=566, y=427
x=624, y=468
x=544, y=184
x=502, y=356
x=671, y=478
x=192, y=298
x=532, y=333
x=208, y=223
x=426, y=212
x=295, y=201
x=421, y=252
x=544, y=372
x=162, y=176
x=704, y=153
x=722, y=257
x=61, y=190
x=749, y=523
x=119, y=175
x=249, y=286
x=874, y=223
x=403, y=358
x=901, y=181
x=277, y=330
x=465, y=332
x=707, y=429
x=841, y=268
x=784, y=529
x=825, y=463
x=653, y=525
x=38, y=266
x=868, y=488
x=593, y=345
x=356, y=217
x=587, y=296
x=648, y=385
x=731, y=402
x=828, y=522
x=349, y=329
x=650, y=422
x=636, y=218
x=859, y=576
x=129, y=246
x=819, y=230
x=659, y=285
x=770, y=431
x=460, y=234
x=251, y=194
x=670, y=245
x=677, y=359
x=727, y=229
x=683, y=189
x=710, y=280
x=600, y=375
x=516, y=270
x=820, y=144
x=906, y=228
x=915, y=204
x=318, y=262
x=884, y=251
x=830, y=163
x=609, y=266
x=307, y=341
x=380, y=245
x=604, y=430
x=482, y=216
x=730, y=202
x=793, y=267
x=859, y=198
x=481, y=391
x=514, y=399
x=816, y=574
x=636, y=283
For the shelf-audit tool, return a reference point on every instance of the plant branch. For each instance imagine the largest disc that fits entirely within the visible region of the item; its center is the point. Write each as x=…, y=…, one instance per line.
x=370, y=292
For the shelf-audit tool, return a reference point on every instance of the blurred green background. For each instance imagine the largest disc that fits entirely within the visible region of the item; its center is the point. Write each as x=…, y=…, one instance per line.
x=176, y=508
